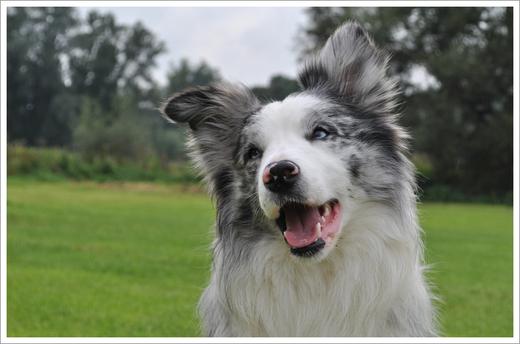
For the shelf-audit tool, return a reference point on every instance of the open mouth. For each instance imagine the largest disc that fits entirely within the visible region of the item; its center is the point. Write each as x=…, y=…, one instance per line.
x=307, y=229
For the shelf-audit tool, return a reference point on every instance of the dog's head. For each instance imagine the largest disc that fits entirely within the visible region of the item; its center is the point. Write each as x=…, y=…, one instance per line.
x=305, y=164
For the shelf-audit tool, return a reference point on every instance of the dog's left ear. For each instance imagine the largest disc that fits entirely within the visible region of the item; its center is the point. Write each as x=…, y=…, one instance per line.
x=218, y=106
x=215, y=114
x=353, y=68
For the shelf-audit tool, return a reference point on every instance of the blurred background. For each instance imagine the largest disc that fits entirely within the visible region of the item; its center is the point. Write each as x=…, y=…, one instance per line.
x=108, y=226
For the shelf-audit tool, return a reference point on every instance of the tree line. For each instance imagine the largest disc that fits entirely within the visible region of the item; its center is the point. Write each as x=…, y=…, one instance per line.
x=84, y=83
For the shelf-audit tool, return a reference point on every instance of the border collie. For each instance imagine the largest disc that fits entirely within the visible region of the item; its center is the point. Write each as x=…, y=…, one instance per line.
x=316, y=227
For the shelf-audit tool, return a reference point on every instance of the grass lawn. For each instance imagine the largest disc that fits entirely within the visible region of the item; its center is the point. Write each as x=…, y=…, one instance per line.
x=89, y=259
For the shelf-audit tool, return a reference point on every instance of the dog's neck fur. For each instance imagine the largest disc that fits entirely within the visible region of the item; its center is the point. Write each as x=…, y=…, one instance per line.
x=366, y=287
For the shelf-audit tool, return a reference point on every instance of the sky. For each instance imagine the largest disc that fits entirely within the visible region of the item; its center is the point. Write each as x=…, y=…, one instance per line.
x=245, y=44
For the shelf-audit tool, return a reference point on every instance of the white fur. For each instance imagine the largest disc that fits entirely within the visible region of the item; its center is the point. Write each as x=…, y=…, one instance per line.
x=371, y=285
x=369, y=282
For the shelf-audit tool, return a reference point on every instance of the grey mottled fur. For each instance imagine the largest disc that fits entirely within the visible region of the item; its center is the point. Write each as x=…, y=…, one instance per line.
x=360, y=110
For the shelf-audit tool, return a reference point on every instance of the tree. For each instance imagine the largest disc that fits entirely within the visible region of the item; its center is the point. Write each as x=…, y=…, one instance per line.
x=57, y=59
x=107, y=57
x=37, y=40
x=462, y=117
x=185, y=75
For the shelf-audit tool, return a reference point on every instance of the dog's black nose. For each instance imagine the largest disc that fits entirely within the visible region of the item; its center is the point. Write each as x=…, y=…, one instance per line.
x=280, y=176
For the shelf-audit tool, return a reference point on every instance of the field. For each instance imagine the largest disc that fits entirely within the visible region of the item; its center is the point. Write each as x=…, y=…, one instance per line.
x=87, y=259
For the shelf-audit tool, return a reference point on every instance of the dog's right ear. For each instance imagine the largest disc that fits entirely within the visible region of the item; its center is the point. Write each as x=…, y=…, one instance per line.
x=351, y=67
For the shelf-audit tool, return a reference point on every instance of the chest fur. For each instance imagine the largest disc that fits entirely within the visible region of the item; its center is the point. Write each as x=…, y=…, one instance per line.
x=282, y=297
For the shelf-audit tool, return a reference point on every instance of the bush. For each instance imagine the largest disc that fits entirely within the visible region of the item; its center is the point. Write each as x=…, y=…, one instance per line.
x=121, y=134
x=54, y=163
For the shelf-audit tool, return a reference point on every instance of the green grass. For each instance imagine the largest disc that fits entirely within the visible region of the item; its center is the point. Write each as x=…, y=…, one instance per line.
x=92, y=260
x=470, y=249
x=88, y=259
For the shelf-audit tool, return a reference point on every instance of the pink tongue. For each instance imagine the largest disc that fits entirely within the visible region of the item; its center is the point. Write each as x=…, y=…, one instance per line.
x=301, y=225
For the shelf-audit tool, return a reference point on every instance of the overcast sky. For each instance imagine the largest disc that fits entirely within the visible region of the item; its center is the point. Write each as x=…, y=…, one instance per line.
x=245, y=44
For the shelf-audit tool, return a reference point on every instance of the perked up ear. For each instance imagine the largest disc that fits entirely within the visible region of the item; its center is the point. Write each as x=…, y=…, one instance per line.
x=353, y=68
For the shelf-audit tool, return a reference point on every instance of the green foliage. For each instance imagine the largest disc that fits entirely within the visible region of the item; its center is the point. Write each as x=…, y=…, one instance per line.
x=91, y=89
x=58, y=164
x=185, y=75
x=58, y=129
x=168, y=140
x=56, y=59
x=37, y=37
x=462, y=117
x=119, y=259
x=107, y=57
x=436, y=192
x=120, y=134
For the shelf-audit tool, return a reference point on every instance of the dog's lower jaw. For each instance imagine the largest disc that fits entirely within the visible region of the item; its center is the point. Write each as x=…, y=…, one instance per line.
x=367, y=276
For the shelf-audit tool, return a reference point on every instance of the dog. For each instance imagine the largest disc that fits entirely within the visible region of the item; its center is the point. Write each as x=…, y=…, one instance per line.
x=316, y=225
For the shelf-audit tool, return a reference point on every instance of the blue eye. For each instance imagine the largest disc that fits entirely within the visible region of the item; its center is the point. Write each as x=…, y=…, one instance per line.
x=319, y=134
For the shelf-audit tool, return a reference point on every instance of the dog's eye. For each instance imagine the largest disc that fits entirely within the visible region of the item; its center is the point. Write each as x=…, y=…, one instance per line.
x=319, y=134
x=253, y=153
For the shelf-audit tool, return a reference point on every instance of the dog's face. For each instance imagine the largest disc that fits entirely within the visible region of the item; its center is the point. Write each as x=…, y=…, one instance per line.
x=300, y=167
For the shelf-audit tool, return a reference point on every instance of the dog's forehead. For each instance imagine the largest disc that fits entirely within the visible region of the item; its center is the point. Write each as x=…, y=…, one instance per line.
x=289, y=113
x=292, y=110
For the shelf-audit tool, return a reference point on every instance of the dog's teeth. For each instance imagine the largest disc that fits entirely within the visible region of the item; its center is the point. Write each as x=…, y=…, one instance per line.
x=326, y=210
x=318, y=229
x=323, y=219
